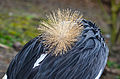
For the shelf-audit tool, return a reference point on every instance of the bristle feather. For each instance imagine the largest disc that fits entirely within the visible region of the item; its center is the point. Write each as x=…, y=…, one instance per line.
x=61, y=30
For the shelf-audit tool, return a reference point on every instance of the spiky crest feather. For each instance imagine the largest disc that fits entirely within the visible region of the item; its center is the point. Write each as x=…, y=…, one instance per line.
x=61, y=29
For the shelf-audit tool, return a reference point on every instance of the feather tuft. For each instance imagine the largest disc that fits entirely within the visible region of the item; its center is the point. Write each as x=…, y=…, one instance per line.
x=61, y=29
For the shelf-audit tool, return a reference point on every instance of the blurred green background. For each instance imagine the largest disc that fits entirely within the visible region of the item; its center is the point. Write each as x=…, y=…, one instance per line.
x=19, y=20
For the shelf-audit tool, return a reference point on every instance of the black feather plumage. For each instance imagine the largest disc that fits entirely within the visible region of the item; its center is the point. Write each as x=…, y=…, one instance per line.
x=84, y=61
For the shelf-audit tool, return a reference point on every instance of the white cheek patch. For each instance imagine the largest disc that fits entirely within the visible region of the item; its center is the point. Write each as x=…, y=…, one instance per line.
x=98, y=76
x=5, y=77
x=39, y=60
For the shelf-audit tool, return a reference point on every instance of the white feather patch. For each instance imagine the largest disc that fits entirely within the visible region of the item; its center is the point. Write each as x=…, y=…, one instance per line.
x=5, y=77
x=98, y=76
x=39, y=60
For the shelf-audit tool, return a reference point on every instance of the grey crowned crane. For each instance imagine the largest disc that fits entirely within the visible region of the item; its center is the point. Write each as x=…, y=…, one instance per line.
x=69, y=47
